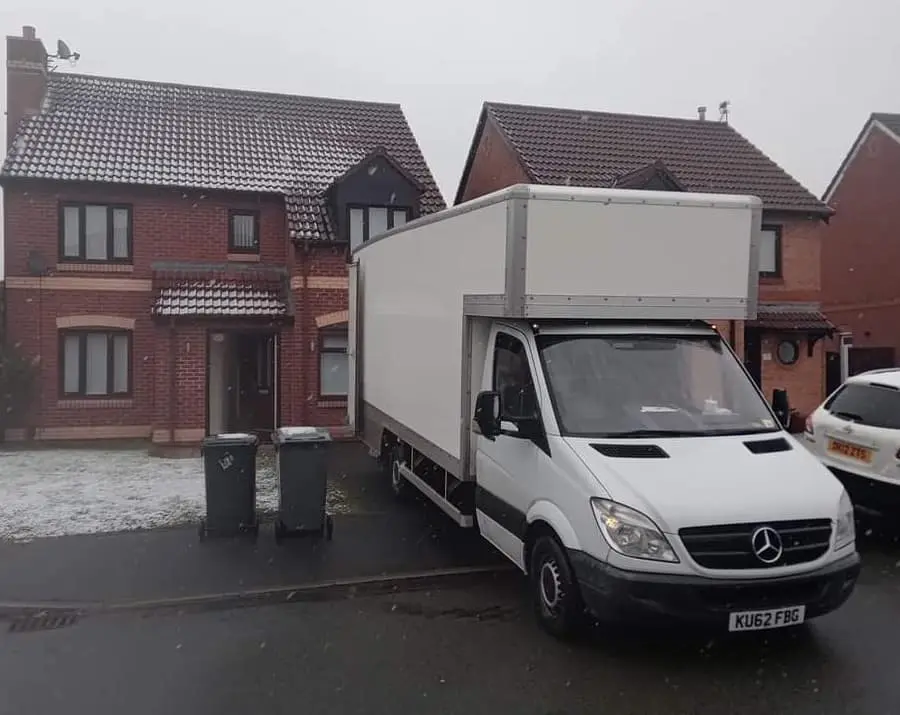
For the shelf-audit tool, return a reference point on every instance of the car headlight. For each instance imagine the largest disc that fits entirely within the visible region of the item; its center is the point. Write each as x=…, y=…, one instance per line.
x=631, y=533
x=845, y=526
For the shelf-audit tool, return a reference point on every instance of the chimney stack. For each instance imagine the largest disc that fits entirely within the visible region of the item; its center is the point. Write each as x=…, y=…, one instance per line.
x=701, y=112
x=26, y=78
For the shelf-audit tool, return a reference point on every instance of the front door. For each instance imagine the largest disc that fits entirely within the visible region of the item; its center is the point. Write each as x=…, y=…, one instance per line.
x=753, y=354
x=507, y=466
x=253, y=385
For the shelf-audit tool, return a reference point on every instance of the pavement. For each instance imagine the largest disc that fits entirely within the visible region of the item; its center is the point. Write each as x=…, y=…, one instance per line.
x=472, y=650
x=379, y=541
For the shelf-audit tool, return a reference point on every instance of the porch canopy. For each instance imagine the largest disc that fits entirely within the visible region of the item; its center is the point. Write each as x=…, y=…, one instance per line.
x=220, y=292
x=793, y=318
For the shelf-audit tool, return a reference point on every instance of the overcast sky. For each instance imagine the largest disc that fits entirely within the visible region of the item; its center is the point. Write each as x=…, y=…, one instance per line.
x=802, y=75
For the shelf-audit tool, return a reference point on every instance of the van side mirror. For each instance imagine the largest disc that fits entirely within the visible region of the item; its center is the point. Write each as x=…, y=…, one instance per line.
x=487, y=414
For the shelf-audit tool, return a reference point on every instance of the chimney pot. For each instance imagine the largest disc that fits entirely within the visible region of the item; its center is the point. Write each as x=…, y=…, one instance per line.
x=28, y=32
x=701, y=112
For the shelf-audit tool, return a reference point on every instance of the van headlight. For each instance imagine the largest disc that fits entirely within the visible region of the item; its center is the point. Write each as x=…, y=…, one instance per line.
x=845, y=525
x=631, y=533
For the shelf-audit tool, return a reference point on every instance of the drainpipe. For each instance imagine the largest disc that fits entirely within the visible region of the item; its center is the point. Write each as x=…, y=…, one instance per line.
x=306, y=315
x=731, y=334
x=172, y=381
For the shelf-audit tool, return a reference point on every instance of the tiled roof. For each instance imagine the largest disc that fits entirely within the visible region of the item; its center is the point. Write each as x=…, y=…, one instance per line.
x=219, y=298
x=891, y=121
x=564, y=146
x=790, y=316
x=136, y=132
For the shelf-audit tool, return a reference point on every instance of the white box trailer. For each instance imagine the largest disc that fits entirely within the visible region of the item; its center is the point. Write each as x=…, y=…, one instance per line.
x=487, y=340
x=534, y=253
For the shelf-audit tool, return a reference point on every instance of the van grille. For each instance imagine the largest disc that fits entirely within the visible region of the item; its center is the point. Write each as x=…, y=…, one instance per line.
x=730, y=546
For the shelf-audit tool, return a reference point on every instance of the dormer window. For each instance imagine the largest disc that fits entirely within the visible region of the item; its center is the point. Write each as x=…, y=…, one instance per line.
x=368, y=222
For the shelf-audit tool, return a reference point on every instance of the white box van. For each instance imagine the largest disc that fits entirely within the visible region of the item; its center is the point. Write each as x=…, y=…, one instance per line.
x=545, y=364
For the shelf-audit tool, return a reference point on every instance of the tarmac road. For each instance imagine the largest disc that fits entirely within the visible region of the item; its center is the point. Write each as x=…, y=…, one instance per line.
x=472, y=651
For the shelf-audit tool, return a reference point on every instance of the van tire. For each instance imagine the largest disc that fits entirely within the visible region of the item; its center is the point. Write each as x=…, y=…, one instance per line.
x=399, y=485
x=554, y=591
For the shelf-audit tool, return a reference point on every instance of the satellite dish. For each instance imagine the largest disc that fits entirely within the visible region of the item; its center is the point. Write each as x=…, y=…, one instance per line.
x=37, y=264
x=62, y=50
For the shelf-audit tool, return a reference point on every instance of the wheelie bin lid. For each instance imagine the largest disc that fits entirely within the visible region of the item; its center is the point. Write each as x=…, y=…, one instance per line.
x=294, y=435
x=230, y=439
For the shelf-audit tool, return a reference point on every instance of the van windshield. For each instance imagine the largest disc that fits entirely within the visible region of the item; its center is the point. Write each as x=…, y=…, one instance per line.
x=650, y=385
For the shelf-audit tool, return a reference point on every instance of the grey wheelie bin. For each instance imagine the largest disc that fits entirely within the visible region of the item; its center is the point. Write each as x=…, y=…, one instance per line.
x=301, y=465
x=229, y=468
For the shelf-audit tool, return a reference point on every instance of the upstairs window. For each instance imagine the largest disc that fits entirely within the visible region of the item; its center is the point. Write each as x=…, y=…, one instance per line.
x=95, y=363
x=770, y=252
x=95, y=233
x=243, y=231
x=368, y=222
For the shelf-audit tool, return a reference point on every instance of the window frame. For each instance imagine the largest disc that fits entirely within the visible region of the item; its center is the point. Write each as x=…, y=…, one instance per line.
x=323, y=334
x=365, y=209
x=254, y=214
x=81, y=334
x=82, y=232
x=777, y=230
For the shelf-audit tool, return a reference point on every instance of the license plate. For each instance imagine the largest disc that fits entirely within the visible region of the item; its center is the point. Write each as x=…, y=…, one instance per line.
x=764, y=620
x=861, y=454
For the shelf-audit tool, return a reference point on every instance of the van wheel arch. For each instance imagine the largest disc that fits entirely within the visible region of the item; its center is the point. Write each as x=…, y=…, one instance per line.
x=556, y=597
x=535, y=530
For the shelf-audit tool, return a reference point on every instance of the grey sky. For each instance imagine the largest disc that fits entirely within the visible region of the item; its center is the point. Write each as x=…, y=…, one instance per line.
x=802, y=75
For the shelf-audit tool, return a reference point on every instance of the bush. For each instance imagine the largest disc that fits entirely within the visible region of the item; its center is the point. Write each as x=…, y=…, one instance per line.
x=18, y=377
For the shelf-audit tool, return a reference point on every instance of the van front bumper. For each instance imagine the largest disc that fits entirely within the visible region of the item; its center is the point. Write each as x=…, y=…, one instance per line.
x=610, y=593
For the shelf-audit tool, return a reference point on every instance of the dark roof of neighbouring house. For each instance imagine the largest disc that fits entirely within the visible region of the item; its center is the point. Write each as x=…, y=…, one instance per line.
x=124, y=131
x=583, y=148
x=891, y=122
x=791, y=317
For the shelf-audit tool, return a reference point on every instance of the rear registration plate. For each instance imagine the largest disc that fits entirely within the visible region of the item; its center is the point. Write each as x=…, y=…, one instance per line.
x=852, y=451
x=764, y=620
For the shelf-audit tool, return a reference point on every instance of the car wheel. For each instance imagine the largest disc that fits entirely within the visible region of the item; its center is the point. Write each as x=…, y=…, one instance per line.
x=557, y=601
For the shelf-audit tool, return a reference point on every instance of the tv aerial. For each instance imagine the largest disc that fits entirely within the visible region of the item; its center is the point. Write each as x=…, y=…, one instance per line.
x=63, y=54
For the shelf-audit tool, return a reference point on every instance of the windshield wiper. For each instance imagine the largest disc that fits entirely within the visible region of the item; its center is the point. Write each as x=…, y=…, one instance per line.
x=637, y=433
x=849, y=416
x=652, y=433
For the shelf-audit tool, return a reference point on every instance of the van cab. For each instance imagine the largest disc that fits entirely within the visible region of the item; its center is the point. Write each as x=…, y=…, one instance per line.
x=667, y=487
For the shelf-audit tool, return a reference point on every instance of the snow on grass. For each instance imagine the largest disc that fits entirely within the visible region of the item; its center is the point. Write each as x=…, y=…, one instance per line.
x=85, y=491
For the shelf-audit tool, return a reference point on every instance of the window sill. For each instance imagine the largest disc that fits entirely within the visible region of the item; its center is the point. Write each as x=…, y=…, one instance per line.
x=95, y=402
x=94, y=268
x=243, y=257
x=332, y=402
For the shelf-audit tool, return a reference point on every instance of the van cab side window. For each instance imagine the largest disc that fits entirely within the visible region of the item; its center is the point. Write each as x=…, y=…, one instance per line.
x=513, y=379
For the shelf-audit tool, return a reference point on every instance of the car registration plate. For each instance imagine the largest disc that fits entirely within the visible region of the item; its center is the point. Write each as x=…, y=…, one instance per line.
x=852, y=451
x=764, y=620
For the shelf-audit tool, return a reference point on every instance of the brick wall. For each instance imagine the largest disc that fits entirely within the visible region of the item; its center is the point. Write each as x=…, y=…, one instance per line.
x=801, y=277
x=861, y=246
x=167, y=225
x=494, y=166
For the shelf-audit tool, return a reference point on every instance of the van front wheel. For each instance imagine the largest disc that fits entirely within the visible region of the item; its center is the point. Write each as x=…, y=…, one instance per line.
x=557, y=602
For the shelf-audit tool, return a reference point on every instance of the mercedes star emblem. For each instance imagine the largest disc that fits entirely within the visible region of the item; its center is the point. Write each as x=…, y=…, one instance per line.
x=767, y=544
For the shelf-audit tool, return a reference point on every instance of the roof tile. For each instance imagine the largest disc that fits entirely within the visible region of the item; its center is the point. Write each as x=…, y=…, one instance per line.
x=149, y=133
x=220, y=299
x=565, y=146
x=790, y=316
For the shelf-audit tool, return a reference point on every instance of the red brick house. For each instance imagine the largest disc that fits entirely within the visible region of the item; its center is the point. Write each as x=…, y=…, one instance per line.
x=861, y=246
x=783, y=347
x=176, y=256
